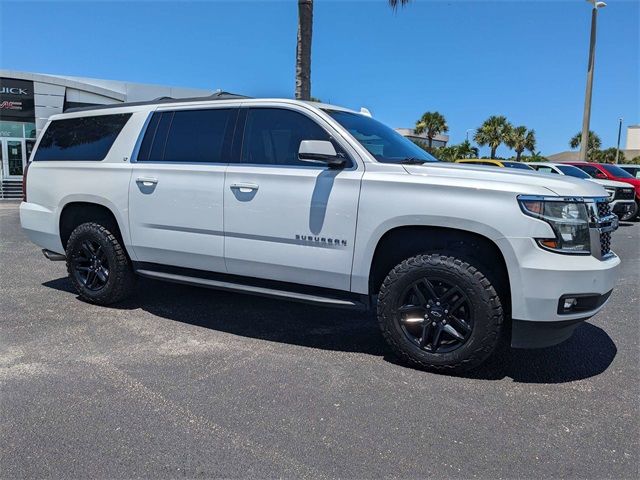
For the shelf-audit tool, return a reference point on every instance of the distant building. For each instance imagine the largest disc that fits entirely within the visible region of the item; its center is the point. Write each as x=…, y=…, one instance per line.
x=410, y=133
x=632, y=148
x=27, y=100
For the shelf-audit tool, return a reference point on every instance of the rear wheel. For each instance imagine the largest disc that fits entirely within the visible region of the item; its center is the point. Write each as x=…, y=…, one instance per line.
x=98, y=265
x=440, y=313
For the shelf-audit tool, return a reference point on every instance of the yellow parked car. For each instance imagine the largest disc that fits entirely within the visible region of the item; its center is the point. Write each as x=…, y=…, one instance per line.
x=495, y=163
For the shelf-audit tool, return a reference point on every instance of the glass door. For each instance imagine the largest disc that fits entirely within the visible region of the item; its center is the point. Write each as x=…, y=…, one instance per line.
x=13, y=158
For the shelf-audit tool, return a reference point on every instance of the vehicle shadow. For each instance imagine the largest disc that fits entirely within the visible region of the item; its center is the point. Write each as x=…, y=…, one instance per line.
x=587, y=353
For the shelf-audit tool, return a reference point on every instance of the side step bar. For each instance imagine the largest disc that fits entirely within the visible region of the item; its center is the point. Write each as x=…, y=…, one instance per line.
x=53, y=256
x=255, y=290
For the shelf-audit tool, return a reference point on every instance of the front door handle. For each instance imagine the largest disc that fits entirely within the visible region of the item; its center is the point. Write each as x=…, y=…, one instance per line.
x=147, y=181
x=244, y=187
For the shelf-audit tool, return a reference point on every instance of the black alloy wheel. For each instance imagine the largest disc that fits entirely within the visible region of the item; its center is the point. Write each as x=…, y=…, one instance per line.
x=98, y=265
x=435, y=315
x=91, y=266
x=440, y=313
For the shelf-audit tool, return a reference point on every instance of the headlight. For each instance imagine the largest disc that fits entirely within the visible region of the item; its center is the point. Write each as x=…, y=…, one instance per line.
x=611, y=192
x=568, y=218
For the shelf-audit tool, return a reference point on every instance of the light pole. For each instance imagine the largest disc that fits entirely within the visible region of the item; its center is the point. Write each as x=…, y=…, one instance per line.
x=584, y=144
x=619, y=132
x=470, y=130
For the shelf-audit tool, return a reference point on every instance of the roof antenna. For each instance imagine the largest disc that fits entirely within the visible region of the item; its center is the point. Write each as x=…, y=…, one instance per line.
x=365, y=111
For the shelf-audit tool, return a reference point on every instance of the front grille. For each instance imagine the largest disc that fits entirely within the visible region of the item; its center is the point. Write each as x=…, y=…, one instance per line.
x=604, y=209
x=624, y=194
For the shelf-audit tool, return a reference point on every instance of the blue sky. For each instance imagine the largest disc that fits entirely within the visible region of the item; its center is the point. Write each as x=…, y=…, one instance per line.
x=468, y=60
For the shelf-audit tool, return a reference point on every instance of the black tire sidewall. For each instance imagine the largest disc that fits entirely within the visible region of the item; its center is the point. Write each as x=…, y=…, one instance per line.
x=118, y=270
x=485, y=306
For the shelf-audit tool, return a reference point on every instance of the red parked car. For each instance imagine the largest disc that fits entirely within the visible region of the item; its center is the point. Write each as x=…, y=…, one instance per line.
x=607, y=171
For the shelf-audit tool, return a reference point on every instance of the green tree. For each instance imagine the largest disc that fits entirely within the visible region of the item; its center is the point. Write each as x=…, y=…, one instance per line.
x=493, y=132
x=520, y=139
x=536, y=157
x=446, y=154
x=608, y=155
x=593, y=144
x=431, y=123
x=466, y=150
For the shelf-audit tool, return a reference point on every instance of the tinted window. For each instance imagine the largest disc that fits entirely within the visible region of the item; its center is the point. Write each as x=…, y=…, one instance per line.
x=190, y=136
x=272, y=136
x=592, y=171
x=573, y=171
x=544, y=169
x=521, y=166
x=616, y=171
x=83, y=138
x=384, y=143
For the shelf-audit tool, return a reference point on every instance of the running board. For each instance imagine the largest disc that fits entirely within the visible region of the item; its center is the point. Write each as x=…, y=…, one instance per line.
x=326, y=301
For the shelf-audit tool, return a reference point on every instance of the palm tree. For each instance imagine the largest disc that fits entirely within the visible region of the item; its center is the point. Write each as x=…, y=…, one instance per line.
x=394, y=3
x=303, y=46
x=593, y=144
x=537, y=157
x=433, y=123
x=521, y=139
x=465, y=150
x=493, y=132
x=303, y=49
x=608, y=155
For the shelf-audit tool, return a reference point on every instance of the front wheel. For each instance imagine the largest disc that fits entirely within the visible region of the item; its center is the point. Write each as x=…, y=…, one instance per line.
x=440, y=313
x=98, y=265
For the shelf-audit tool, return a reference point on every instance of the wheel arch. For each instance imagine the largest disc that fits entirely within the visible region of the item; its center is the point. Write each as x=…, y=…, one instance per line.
x=402, y=242
x=78, y=211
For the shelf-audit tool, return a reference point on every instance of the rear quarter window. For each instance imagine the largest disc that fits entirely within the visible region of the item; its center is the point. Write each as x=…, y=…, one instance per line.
x=82, y=138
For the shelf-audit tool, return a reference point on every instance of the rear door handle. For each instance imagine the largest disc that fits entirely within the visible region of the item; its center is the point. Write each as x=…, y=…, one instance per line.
x=147, y=181
x=244, y=187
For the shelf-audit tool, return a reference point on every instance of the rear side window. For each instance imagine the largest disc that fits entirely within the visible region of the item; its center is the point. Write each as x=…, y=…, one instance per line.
x=82, y=138
x=190, y=136
x=592, y=171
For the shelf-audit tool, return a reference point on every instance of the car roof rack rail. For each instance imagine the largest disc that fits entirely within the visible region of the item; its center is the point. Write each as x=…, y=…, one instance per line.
x=218, y=95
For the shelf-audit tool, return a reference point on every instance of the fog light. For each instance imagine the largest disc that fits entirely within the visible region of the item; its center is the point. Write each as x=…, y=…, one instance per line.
x=569, y=303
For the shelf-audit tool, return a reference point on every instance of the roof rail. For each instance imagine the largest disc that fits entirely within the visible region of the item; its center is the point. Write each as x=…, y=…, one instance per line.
x=219, y=95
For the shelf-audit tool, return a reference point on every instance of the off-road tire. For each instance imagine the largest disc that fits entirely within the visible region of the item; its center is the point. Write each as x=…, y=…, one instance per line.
x=121, y=279
x=486, y=307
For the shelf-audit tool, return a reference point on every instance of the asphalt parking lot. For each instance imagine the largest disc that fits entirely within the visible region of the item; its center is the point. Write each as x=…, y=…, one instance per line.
x=187, y=382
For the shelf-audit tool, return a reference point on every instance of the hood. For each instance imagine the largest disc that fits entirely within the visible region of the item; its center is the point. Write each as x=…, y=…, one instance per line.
x=611, y=183
x=511, y=179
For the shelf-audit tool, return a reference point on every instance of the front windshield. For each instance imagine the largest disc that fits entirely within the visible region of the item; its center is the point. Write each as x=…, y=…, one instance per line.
x=384, y=143
x=522, y=166
x=573, y=171
x=617, y=171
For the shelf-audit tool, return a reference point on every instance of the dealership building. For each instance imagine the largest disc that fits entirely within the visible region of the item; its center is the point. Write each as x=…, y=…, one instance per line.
x=27, y=100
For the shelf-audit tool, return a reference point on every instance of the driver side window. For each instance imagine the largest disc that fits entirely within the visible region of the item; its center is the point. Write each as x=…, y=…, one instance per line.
x=272, y=136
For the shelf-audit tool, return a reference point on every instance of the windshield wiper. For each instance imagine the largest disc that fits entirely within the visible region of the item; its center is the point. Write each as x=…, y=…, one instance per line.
x=412, y=161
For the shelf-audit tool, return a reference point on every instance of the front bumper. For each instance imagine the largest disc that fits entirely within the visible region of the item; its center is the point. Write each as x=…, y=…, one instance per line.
x=623, y=208
x=540, y=278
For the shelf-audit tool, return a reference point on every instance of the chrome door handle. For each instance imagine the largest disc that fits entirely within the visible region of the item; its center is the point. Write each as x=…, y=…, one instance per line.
x=244, y=187
x=147, y=181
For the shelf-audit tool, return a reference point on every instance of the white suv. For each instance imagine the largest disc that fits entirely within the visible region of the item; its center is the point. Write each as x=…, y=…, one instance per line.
x=320, y=204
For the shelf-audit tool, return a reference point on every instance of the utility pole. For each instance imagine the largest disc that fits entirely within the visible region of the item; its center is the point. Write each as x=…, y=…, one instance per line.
x=584, y=144
x=619, y=132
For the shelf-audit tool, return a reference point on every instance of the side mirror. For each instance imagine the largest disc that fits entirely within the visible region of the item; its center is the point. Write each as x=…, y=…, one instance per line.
x=320, y=151
x=601, y=176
